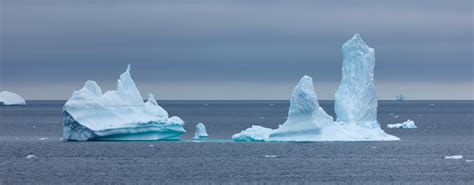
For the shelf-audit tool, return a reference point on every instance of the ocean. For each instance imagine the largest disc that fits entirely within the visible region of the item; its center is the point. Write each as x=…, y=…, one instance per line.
x=445, y=128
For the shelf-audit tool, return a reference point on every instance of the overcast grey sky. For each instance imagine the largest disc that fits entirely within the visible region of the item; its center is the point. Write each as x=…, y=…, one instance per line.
x=225, y=49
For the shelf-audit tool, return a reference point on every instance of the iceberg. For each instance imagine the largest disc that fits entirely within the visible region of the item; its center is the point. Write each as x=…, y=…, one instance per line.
x=355, y=106
x=355, y=100
x=254, y=133
x=119, y=114
x=406, y=124
x=10, y=98
x=401, y=97
x=201, y=132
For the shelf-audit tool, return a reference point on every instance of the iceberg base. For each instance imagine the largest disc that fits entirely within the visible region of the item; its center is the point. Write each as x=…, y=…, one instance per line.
x=74, y=131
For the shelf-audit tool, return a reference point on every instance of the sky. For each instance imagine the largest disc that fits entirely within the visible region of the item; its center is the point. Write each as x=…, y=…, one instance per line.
x=234, y=49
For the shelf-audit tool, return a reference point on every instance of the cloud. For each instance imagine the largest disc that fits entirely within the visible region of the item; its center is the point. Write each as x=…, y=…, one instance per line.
x=240, y=42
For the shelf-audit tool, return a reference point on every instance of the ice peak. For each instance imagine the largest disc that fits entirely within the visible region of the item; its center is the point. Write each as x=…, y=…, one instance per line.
x=92, y=87
x=303, y=99
x=355, y=45
x=126, y=88
x=128, y=68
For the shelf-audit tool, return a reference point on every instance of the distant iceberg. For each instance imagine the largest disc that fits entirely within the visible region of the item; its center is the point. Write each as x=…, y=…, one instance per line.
x=406, y=124
x=117, y=115
x=401, y=97
x=355, y=106
x=201, y=132
x=9, y=98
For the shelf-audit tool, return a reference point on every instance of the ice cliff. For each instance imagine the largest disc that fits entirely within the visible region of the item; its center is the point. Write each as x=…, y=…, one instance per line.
x=117, y=115
x=9, y=98
x=355, y=106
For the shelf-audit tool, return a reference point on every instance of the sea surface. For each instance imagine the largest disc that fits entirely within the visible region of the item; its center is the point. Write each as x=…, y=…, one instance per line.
x=445, y=128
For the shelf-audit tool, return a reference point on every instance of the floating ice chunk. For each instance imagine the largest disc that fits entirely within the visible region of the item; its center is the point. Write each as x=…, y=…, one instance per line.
x=395, y=116
x=270, y=156
x=454, y=157
x=406, y=124
x=469, y=161
x=117, y=115
x=254, y=133
x=31, y=156
x=201, y=132
x=10, y=98
x=43, y=138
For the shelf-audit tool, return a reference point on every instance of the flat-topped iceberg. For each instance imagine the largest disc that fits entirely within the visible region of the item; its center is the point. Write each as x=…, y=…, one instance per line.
x=406, y=124
x=9, y=98
x=201, y=132
x=117, y=115
x=355, y=105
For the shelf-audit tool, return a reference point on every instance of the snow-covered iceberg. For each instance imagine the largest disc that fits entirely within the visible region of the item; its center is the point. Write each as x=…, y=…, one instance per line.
x=9, y=98
x=406, y=124
x=355, y=105
x=117, y=115
x=201, y=132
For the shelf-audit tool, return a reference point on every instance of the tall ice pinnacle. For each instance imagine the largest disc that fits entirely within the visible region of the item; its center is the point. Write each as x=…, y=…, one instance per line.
x=355, y=99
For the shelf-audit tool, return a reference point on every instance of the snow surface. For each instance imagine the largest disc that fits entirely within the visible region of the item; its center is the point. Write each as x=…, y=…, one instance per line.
x=406, y=124
x=201, y=132
x=117, y=115
x=9, y=98
x=356, y=106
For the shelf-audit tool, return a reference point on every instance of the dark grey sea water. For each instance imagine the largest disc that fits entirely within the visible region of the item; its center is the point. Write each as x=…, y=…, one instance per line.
x=444, y=128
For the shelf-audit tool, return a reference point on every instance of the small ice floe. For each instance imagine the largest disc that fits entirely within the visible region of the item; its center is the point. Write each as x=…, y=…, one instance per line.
x=43, y=138
x=396, y=116
x=270, y=156
x=205, y=104
x=419, y=115
x=34, y=126
x=261, y=117
x=391, y=114
x=469, y=161
x=152, y=145
x=373, y=147
x=454, y=157
x=31, y=156
x=432, y=104
x=406, y=124
x=271, y=104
